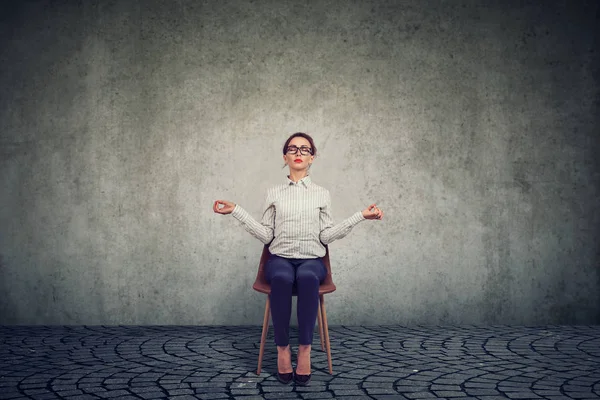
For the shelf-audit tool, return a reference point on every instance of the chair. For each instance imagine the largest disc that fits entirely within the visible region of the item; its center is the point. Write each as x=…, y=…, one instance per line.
x=327, y=286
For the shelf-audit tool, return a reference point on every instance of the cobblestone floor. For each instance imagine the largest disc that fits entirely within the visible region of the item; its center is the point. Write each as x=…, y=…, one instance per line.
x=385, y=362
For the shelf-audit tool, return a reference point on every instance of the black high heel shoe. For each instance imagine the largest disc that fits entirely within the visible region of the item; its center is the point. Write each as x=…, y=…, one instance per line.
x=302, y=380
x=285, y=378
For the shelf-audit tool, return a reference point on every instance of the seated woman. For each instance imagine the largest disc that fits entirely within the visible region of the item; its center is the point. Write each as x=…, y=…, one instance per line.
x=297, y=223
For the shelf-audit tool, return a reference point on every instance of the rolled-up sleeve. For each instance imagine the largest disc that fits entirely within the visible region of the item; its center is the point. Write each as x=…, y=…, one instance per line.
x=330, y=232
x=263, y=231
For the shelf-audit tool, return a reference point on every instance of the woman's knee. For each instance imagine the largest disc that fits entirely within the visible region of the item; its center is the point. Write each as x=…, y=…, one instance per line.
x=311, y=271
x=307, y=277
x=282, y=279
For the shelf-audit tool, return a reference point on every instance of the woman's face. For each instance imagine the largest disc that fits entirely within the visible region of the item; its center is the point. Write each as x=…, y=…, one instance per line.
x=298, y=161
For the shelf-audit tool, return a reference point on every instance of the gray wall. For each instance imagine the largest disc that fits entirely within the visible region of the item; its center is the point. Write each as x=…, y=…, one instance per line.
x=473, y=125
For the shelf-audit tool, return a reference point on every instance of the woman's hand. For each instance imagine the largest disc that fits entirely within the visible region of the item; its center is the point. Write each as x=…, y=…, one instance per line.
x=372, y=212
x=226, y=209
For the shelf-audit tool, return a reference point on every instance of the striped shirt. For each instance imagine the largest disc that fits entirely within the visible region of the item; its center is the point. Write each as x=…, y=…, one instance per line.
x=297, y=220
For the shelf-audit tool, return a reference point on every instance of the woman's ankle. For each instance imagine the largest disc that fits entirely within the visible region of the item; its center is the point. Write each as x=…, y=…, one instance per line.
x=303, y=367
x=284, y=359
x=304, y=348
x=283, y=348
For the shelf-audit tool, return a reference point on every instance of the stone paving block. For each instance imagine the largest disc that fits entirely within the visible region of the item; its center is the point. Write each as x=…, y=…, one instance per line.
x=377, y=385
x=211, y=384
x=69, y=393
x=448, y=394
x=444, y=381
x=311, y=388
x=576, y=388
x=239, y=392
x=110, y=394
x=411, y=388
x=281, y=395
x=522, y=395
x=152, y=394
x=580, y=395
x=277, y=388
x=117, y=387
x=451, y=388
x=334, y=386
x=45, y=396
x=316, y=396
x=420, y=395
x=348, y=392
x=32, y=391
x=213, y=396
x=179, y=392
x=482, y=392
x=373, y=391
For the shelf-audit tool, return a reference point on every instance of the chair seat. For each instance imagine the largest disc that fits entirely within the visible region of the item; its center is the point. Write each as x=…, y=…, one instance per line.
x=263, y=287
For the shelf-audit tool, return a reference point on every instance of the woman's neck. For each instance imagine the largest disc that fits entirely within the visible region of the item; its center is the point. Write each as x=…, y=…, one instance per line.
x=295, y=176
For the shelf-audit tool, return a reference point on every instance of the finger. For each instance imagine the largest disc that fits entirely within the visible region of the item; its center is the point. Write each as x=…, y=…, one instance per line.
x=217, y=208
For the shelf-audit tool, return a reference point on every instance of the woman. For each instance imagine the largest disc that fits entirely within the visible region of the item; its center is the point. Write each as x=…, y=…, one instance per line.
x=297, y=223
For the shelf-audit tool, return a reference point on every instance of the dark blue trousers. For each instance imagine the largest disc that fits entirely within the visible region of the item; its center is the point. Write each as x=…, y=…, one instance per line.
x=306, y=274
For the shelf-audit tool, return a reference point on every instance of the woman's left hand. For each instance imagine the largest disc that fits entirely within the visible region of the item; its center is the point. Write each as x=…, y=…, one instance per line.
x=372, y=212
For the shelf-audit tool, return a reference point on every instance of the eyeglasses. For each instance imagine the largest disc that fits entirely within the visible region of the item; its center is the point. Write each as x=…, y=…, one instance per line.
x=304, y=150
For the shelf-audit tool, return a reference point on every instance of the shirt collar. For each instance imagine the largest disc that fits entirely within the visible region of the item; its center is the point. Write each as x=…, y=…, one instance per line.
x=306, y=181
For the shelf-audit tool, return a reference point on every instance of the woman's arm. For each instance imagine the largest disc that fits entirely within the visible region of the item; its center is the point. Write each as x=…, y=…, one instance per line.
x=329, y=232
x=263, y=231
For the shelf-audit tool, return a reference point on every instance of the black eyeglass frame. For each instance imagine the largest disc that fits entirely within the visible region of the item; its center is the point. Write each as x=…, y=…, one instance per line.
x=303, y=150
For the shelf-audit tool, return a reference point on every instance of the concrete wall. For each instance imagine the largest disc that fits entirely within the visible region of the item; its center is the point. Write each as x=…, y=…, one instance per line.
x=473, y=125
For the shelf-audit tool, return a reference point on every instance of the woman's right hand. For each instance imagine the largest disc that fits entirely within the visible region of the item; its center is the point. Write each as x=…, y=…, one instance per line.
x=226, y=209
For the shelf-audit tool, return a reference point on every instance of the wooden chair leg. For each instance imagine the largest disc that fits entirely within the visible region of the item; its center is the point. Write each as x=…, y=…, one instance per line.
x=263, y=337
x=326, y=331
x=320, y=324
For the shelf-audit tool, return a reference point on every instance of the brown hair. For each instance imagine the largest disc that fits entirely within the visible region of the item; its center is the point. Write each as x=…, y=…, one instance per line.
x=305, y=136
